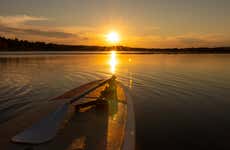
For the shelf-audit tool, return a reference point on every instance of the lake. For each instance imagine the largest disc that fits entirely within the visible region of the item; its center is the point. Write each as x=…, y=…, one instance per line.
x=181, y=101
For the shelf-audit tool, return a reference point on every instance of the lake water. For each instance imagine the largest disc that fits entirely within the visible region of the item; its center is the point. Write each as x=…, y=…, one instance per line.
x=181, y=101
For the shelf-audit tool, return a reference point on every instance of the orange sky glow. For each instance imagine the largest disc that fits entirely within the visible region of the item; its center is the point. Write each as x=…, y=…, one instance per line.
x=150, y=24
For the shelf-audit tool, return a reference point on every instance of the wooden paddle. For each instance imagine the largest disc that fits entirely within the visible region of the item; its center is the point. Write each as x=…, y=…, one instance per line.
x=47, y=128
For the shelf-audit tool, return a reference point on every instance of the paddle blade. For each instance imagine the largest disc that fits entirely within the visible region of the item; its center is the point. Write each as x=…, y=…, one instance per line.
x=44, y=130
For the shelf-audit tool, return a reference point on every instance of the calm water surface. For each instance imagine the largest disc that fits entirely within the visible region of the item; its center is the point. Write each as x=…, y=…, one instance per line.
x=181, y=101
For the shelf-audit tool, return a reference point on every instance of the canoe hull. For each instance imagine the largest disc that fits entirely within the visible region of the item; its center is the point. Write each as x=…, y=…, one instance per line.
x=95, y=126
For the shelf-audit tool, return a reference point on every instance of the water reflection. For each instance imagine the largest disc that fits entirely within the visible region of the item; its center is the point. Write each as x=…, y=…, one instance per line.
x=171, y=93
x=113, y=62
x=130, y=80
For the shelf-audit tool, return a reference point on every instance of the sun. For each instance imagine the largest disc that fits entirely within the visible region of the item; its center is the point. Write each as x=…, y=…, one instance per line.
x=113, y=37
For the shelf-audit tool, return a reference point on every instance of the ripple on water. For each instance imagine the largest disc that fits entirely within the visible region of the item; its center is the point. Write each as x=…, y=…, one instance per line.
x=10, y=111
x=167, y=90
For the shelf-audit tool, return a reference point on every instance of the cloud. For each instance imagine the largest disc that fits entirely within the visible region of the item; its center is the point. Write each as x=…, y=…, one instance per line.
x=202, y=40
x=18, y=20
x=179, y=41
x=29, y=27
x=36, y=32
x=191, y=40
x=17, y=25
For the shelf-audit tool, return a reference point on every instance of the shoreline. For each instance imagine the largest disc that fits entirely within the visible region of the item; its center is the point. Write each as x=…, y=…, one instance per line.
x=107, y=52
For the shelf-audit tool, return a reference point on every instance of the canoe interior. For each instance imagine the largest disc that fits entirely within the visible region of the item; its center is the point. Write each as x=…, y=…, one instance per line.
x=97, y=126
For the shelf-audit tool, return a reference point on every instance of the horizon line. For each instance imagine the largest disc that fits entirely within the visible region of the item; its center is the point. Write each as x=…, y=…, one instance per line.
x=62, y=44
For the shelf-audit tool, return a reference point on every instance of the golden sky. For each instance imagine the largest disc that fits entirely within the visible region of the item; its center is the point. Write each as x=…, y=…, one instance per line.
x=146, y=23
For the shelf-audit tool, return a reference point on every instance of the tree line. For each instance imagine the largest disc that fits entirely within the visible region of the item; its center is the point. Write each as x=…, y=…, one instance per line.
x=7, y=44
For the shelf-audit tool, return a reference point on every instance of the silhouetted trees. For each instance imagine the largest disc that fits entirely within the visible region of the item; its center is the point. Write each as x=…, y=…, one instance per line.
x=24, y=45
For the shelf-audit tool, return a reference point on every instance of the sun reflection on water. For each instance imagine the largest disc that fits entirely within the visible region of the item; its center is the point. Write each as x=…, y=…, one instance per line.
x=113, y=62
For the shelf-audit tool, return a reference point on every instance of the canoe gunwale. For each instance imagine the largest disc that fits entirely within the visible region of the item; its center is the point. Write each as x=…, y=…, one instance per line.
x=129, y=138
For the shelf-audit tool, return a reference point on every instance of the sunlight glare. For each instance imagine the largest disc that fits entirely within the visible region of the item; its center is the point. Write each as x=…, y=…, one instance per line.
x=113, y=62
x=113, y=37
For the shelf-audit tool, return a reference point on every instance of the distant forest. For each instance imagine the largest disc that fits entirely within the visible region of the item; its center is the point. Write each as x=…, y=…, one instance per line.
x=8, y=45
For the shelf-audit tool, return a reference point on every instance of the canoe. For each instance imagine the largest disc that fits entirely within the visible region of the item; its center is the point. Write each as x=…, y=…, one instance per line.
x=99, y=116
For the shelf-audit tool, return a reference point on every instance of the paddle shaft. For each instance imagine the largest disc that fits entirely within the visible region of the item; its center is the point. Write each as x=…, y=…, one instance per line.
x=88, y=91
